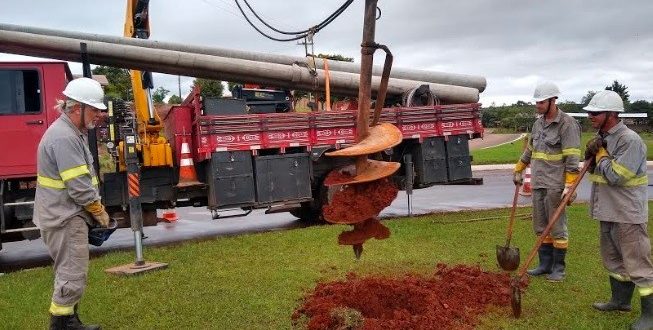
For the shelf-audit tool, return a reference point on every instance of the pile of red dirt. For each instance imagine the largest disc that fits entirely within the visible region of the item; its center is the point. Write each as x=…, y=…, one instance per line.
x=451, y=298
x=359, y=202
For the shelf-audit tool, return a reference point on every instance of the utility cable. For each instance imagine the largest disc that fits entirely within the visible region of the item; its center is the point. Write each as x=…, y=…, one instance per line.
x=302, y=34
x=321, y=25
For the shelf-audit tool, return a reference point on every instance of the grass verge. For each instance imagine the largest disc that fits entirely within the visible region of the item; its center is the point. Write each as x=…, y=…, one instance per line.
x=509, y=153
x=255, y=281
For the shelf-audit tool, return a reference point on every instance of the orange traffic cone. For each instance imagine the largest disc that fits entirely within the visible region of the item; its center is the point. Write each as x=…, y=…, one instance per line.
x=170, y=215
x=526, y=189
x=187, y=175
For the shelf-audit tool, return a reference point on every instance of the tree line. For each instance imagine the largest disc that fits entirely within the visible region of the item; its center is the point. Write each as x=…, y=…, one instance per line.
x=520, y=116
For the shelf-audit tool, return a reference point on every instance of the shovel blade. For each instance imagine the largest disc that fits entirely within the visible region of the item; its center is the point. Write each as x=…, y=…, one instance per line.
x=515, y=299
x=508, y=258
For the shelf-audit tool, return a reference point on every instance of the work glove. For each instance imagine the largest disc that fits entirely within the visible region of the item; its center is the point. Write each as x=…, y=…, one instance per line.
x=517, y=177
x=570, y=178
x=96, y=209
x=600, y=155
x=592, y=147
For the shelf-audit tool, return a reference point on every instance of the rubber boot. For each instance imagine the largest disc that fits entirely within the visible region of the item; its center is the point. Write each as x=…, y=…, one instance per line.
x=622, y=294
x=69, y=322
x=558, y=269
x=545, y=254
x=645, y=321
x=86, y=327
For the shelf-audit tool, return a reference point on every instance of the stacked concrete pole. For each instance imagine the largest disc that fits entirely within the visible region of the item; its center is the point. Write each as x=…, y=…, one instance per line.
x=212, y=63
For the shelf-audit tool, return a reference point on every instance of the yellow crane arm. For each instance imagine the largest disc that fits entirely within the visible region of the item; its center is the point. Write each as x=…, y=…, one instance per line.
x=155, y=148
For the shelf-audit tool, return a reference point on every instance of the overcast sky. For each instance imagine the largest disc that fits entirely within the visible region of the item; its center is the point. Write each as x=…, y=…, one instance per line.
x=580, y=45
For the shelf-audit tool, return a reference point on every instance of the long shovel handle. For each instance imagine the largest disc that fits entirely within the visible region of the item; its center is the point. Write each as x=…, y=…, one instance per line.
x=512, y=215
x=552, y=221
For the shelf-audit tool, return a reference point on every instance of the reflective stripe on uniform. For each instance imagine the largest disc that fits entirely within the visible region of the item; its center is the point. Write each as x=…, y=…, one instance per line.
x=638, y=181
x=619, y=277
x=643, y=292
x=623, y=171
x=58, y=184
x=571, y=152
x=561, y=243
x=74, y=172
x=59, y=310
x=50, y=183
x=545, y=156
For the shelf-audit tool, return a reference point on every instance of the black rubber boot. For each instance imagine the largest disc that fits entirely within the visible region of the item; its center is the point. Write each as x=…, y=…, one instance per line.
x=545, y=254
x=558, y=269
x=622, y=294
x=645, y=321
x=69, y=322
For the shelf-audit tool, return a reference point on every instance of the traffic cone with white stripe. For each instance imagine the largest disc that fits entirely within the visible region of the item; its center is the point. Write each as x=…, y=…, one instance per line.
x=187, y=175
x=526, y=189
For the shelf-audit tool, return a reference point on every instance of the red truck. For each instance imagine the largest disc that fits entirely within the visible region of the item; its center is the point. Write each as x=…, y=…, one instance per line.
x=243, y=160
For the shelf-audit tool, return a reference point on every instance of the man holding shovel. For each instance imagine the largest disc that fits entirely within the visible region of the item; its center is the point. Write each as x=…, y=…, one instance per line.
x=553, y=152
x=619, y=200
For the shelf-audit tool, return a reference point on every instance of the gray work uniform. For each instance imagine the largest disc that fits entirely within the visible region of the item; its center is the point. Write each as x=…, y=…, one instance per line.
x=619, y=200
x=552, y=151
x=66, y=182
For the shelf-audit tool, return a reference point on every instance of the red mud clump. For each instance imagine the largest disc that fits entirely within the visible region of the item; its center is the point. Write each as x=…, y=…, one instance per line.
x=451, y=298
x=370, y=228
x=358, y=202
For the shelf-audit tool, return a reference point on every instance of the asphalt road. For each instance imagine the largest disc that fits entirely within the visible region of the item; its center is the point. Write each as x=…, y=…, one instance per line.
x=196, y=223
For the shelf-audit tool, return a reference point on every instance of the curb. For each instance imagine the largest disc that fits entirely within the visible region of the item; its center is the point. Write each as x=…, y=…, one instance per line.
x=495, y=167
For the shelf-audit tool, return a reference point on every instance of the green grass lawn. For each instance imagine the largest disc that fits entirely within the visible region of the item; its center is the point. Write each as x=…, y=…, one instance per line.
x=510, y=153
x=255, y=281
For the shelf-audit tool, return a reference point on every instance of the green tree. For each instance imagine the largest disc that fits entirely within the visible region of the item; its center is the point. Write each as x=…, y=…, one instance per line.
x=641, y=106
x=336, y=57
x=620, y=89
x=175, y=99
x=120, y=85
x=159, y=95
x=209, y=87
x=587, y=98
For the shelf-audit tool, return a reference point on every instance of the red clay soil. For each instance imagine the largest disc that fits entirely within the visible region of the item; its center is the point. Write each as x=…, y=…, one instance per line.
x=337, y=177
x=370, y=228
x=451, y=298
x=359, y=202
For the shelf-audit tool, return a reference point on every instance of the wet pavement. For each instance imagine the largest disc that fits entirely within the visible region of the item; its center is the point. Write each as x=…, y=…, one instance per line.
x=197, y=224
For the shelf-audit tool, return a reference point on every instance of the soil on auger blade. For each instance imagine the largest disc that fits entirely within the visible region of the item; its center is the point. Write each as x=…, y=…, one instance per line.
x=451, y=298
x=358, y=202
x=363, y=231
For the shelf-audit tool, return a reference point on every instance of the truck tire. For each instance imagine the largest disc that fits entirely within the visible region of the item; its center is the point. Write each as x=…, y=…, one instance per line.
x=308, y=214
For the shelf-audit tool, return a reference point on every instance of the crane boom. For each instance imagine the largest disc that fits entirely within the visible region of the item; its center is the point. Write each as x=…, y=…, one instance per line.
x=155, y=148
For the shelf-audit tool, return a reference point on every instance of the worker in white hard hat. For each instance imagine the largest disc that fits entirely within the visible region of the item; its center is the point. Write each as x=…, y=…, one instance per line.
x=553, y=153
x=619, y=200
x=67, y=197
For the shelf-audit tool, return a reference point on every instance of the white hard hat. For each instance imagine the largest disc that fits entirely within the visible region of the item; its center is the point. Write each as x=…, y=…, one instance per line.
x=605, y=100
x=545, y=91
x=87, y=91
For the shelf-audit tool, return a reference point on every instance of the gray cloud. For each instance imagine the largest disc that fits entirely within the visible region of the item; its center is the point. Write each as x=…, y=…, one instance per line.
x=580, y=45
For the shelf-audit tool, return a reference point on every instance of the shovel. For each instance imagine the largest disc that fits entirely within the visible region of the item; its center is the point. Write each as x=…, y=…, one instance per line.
x=514, y=283
x=508, y=257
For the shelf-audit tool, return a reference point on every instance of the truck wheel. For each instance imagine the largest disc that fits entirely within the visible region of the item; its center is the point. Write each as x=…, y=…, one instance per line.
x=307, y=214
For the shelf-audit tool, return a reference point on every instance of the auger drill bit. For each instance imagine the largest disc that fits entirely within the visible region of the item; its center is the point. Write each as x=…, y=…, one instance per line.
x=366, y=181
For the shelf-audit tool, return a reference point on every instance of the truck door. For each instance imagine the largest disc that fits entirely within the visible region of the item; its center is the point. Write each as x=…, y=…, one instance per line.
x=22, y=120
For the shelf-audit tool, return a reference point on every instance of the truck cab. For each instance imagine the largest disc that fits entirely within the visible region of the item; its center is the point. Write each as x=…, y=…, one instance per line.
x=28, y=94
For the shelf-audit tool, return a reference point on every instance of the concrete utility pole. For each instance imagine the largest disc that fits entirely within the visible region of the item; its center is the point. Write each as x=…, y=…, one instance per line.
x=212, y=67
x=455, y=79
